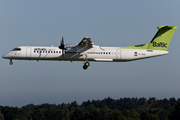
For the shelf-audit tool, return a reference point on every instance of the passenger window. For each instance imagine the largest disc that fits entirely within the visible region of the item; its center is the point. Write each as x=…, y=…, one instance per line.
x=51, y=51
x=59, y=51
x=56, y=51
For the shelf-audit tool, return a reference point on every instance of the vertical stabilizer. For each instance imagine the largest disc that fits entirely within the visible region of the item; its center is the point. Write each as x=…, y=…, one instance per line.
x=162, y=38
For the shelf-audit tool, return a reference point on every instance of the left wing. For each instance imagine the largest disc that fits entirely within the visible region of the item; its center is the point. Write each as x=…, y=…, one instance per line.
x=86, y=42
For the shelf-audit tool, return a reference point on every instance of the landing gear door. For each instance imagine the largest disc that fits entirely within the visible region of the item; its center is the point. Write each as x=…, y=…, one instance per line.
x=28, y=52
x=118, y=54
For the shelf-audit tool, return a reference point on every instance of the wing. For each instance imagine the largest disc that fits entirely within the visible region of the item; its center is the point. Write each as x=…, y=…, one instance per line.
x=86, y=42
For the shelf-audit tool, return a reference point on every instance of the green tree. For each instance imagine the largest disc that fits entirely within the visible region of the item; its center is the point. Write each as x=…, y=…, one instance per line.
x=131, y=114
x=106, y=112
x=77, y=115
x=117, y=115
x=38, y=115
x=12, y=113
x=149, y=116
x=1, y=116
x=74, y=104
x=175, y=115
x=142, y=101
x=93, y=115
x=66, y=114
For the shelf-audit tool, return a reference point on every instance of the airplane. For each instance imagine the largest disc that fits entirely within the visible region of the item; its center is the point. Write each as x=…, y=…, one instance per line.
x=86, y=51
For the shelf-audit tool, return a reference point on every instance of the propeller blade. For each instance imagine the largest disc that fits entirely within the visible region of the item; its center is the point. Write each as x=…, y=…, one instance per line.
x=62, y=47
x=62, y=44
x=62, y=41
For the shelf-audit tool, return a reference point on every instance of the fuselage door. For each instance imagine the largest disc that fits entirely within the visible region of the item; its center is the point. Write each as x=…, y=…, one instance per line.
x=28, y=52
x=118, y=54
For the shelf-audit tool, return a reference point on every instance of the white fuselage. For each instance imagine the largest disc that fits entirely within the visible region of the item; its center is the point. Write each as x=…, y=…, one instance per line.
x=77, y=53
x=86, y=50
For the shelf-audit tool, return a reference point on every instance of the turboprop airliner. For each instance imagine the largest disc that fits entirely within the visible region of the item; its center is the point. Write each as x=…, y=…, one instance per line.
x=86, y=51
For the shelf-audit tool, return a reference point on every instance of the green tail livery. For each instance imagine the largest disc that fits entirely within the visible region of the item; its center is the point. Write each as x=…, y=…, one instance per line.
x=160, y=41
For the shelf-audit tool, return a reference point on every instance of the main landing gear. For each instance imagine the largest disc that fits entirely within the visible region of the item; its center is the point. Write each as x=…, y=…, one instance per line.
x=86, y=65
x=10, y=62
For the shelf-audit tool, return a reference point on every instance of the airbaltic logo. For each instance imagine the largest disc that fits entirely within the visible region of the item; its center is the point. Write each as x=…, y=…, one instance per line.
x=161, y=44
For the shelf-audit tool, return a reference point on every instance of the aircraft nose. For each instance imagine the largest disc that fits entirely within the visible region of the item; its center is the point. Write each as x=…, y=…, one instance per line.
x=6, y=56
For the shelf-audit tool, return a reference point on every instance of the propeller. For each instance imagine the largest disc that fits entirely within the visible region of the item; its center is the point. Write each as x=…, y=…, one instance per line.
x=62, y=46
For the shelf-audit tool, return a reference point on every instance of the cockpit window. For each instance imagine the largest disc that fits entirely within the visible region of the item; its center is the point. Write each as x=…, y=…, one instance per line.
x=16, y=49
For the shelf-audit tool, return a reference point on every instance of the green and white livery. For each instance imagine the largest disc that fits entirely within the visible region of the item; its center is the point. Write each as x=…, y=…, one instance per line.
x=86, y=51
x=160, y=41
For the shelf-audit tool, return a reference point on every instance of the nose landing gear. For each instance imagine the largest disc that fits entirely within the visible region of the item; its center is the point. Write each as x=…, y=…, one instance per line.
x=10, y=62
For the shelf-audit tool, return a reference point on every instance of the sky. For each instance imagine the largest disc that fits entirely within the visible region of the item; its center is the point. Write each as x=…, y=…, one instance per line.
x=117, y=23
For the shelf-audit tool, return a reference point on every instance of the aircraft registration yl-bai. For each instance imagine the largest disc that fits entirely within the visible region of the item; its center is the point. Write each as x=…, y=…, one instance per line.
x=86, y=51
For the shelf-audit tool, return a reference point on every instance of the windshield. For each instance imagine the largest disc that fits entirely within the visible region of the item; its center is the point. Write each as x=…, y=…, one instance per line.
x=16, y=49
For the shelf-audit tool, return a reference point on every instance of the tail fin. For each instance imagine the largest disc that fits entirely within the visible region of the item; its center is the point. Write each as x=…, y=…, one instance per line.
x=162, y=38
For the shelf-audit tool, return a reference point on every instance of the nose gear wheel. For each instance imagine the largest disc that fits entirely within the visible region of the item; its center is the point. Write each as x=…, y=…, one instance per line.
x=10, y=62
